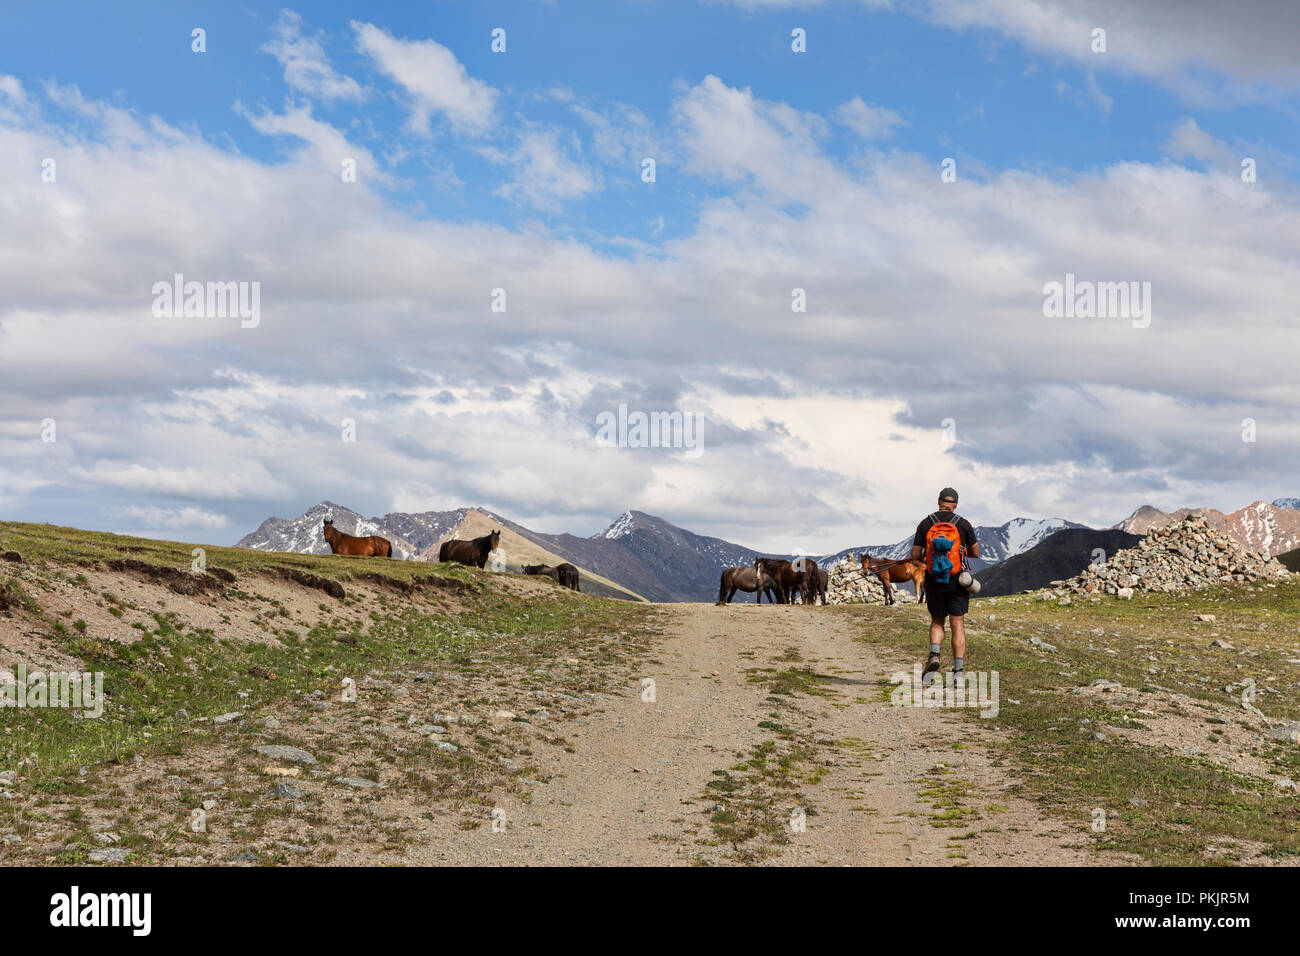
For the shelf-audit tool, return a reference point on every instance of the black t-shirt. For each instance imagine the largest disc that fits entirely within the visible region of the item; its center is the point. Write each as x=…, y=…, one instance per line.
x=964, y=529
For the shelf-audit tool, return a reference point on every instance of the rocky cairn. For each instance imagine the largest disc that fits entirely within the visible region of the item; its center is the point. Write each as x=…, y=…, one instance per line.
x=846, y=584
x=1181, y=556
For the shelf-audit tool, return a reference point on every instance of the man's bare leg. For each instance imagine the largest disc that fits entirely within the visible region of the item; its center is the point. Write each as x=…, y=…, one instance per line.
x=958, y=622
x=936, y=632
x=958, y=642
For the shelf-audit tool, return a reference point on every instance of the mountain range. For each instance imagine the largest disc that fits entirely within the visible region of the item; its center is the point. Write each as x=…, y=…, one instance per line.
x=1272, y=528
x=1057, y=557
x=637, y=556
x=997, y=542
x=416, y=537
x=642, y=557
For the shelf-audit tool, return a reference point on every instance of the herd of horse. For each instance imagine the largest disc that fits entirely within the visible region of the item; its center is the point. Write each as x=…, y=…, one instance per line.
x=781, y=579
x=778, y=578
x=472, y=551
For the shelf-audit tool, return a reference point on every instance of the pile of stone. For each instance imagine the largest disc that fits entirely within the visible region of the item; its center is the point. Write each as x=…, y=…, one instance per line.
x=1181, y=556
x=846, y=584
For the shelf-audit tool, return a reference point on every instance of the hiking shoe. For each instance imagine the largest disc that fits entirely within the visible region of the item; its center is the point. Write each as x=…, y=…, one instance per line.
x=931, y=664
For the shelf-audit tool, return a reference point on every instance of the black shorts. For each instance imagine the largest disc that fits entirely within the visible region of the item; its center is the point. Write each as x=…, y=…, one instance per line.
x=946, y=600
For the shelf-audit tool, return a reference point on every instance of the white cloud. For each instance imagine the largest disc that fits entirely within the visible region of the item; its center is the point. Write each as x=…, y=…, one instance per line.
x=306, y=67
x=1251, y=45
x=174, y=518
x=370, y=312
x=326, y=145
x=868, y=121
x=622, y=136
x=545, y=174
x=1188, y=140
x=433, y=78
x=730, y=134
x=249, y=479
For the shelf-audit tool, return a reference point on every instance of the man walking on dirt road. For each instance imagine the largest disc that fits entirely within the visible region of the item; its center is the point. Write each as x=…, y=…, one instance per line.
x=945, y=558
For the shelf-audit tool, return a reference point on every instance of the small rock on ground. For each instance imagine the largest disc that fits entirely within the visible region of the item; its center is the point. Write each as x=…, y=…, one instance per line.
x=284, y=752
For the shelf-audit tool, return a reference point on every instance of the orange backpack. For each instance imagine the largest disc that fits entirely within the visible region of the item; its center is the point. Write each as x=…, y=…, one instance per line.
x=956, y=554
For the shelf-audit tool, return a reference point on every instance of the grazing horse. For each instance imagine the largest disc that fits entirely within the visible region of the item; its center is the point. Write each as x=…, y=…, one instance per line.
x=815, y=580
x=787, y=579
x=565, y=575
x=474, y=552
x=743, y=579
x=371, y=546
x=819, y=584
x=896, y=572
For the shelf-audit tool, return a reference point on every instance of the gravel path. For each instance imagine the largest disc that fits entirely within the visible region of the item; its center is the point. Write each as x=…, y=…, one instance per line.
x=630, y=787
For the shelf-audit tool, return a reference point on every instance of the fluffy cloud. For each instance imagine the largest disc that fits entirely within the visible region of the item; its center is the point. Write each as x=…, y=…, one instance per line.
x=434, y=80
x=546, y=174
x=1204, y=48
x=869, y=122
x=1250, y=47
x=306, y=67
x=173, y=518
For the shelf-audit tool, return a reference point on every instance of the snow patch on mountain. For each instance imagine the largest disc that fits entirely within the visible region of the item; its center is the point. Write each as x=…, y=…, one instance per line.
x=996, y=543
x=1017, y=536
x=623, y=525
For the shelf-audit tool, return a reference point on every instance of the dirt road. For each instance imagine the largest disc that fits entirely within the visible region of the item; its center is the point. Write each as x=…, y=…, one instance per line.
x=877, y=784
x=714, y=736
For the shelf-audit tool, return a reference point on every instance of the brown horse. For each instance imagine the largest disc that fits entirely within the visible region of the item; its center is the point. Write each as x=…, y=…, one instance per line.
x=787, y=579
x=474, y=552
x=371, y=546
x=896, y=572
x=565, y=575
x=743, y=579
x=816, y=580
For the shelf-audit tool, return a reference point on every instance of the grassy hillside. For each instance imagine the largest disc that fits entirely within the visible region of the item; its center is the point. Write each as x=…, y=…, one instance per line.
x=52, y=543
x=520, y=551
x=265, y=640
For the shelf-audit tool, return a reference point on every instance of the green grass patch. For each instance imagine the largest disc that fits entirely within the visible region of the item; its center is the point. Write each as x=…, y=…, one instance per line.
x=1168, y=808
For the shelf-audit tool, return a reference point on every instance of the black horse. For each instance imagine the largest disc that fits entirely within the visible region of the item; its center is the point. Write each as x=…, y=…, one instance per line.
x=565, y=575
x=788, y=580
x=470, y=552
x=818, y=580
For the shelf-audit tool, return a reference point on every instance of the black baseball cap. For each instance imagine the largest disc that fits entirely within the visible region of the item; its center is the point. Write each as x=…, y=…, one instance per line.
x=948, y=494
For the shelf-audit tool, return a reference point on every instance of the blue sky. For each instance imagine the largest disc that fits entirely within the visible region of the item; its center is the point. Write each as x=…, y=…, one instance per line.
x=775, y=169
x=986, y=99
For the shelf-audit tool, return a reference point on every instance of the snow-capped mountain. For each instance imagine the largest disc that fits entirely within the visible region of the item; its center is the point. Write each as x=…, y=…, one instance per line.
x=410, y=534
x=1017, y=536
x=997, y=543
x=1271, y=528
x=624, y=524
x=303, y=535
x=1286, y=503
x=651, y=556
